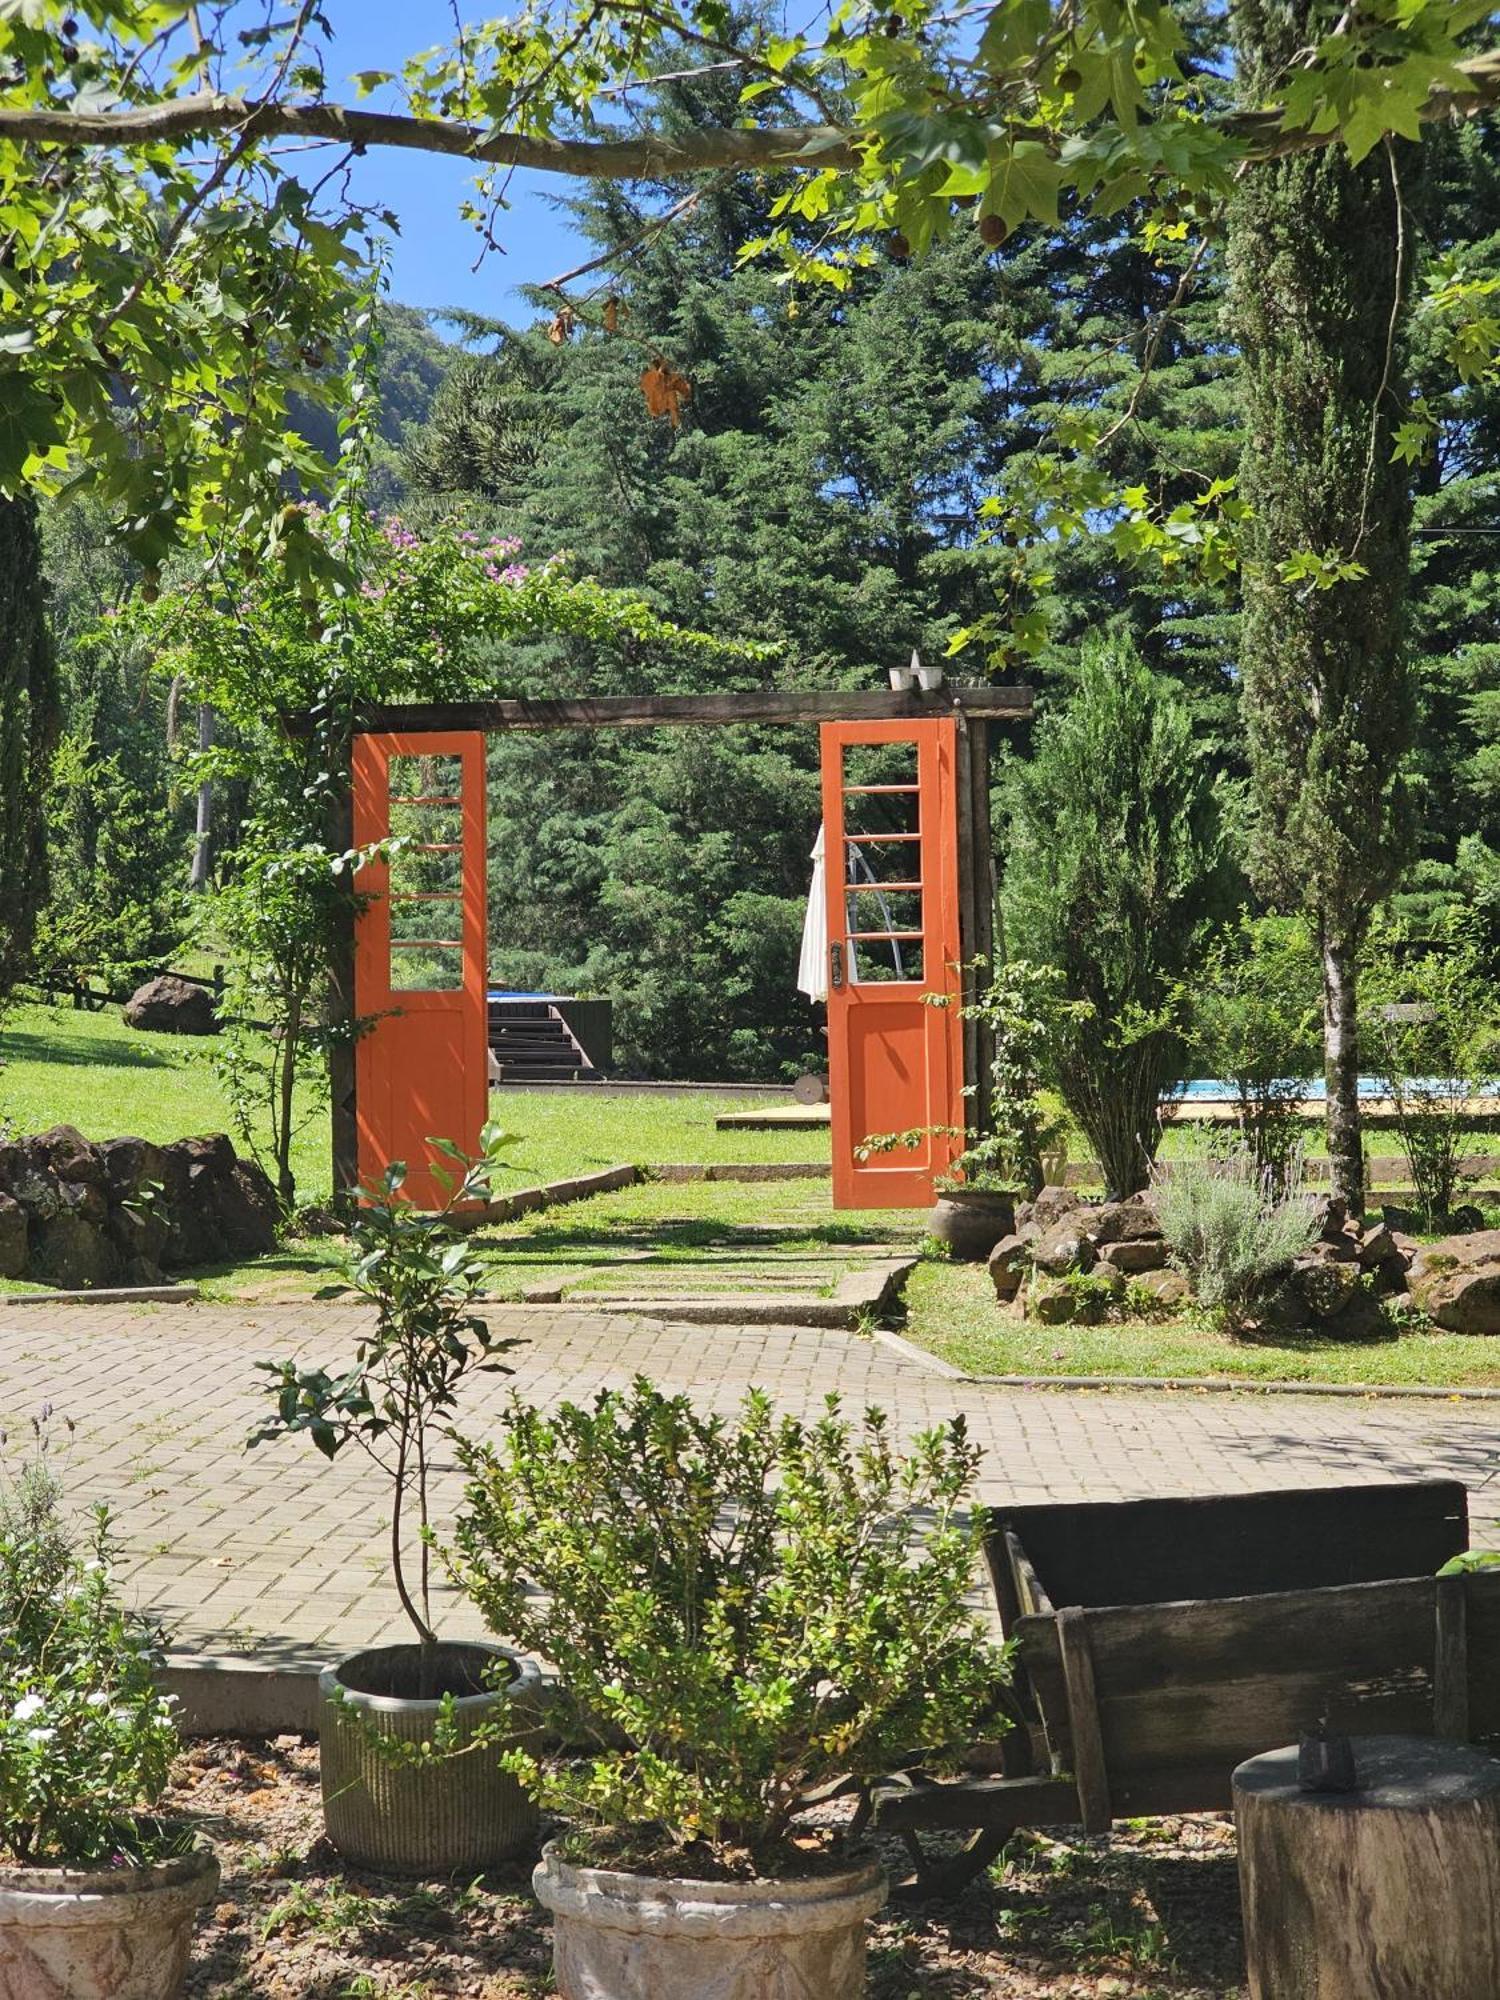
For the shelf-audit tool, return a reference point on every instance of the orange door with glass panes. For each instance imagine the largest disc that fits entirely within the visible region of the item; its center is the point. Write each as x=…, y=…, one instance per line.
x=421, y=1065
x=895, y=1060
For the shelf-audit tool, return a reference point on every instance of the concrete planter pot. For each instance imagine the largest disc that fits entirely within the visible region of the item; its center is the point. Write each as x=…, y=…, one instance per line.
x=618, y=1936
x=102, y=1933
x=971, y=1221
x=420, y=1819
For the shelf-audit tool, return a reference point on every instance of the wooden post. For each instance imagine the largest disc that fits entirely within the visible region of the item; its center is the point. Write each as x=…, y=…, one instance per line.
x=341, y=1013
x=1388, y=1892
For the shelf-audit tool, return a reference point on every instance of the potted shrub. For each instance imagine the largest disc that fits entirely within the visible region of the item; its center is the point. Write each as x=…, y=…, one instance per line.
x=741, y=1612
x=97, y=1897
x=390, y=1802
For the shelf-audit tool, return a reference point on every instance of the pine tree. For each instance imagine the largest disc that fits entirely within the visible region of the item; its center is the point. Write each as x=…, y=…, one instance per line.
x=1115, y=866
x=28, y=730
x=1318, y=290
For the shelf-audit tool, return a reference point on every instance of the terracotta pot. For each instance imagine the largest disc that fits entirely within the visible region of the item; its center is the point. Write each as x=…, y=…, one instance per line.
x=102, y=1933
x=430, y=1818
x=971, y=1221
x=618, y=1936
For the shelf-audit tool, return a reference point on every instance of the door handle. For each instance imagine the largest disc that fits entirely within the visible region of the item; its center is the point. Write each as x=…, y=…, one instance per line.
x=835, y=966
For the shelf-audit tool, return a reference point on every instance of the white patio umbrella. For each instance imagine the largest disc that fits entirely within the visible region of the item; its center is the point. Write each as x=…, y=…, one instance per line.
x=812, y=965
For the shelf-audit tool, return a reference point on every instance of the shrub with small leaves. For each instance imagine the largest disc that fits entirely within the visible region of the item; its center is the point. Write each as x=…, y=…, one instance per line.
x=1229, y=1231
x=739, y=1611
x=86, y=1741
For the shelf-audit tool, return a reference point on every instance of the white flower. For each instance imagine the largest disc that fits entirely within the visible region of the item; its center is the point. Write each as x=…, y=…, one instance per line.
x=40, y=1736
x=28, y=1706
x=95, y=1700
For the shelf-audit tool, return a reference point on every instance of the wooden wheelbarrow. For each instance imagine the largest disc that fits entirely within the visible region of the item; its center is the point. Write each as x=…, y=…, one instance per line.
x=1158, y=1643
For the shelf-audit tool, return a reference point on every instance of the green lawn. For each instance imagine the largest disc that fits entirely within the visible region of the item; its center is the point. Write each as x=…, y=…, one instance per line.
x=679, y=1223
x=58, y=1067
x=952, y=1312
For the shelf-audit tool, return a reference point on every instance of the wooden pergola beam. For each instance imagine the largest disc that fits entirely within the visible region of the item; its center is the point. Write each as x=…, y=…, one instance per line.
x=656, y=711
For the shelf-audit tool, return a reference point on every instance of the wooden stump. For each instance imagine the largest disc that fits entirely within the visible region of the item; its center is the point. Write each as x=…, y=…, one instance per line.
x=1388, y=1892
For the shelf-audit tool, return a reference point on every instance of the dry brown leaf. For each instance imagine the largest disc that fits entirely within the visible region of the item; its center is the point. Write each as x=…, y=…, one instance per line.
x=560, y=326
x=665, y=390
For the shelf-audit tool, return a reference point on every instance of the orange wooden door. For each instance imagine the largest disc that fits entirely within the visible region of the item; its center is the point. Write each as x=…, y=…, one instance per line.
x=895, y=1062
x=421, y=1068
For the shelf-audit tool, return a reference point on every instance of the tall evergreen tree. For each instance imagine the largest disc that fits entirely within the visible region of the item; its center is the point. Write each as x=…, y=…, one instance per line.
x=1318, y=283
x=1116, y=866
x=28, y=731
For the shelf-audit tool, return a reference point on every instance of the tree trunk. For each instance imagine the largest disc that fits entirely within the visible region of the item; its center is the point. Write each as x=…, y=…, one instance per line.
x=1390, y=1892
x=203, y=836
x=29, y=718
x=1346, y=1158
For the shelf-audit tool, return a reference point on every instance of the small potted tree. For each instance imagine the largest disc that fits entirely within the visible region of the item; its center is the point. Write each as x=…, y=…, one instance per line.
x=389, y=1802
x=741, y=1613
x=97, y=1896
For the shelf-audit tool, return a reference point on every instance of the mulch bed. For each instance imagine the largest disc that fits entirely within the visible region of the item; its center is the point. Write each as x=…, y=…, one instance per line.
x=1151, y=1912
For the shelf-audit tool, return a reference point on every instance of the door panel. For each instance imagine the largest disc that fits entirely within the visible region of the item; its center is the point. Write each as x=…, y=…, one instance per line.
x=895, y=1062
x=421, y=1067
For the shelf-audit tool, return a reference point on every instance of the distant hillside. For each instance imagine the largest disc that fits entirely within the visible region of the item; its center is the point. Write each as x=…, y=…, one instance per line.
x=414, y=362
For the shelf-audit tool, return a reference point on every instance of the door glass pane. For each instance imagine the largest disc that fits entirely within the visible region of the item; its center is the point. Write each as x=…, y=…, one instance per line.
x=880, y=789
x=881, y=912
x=875, y=961
x=892, y=861
x=427, y=920
x=426, y=873
x=425, y=968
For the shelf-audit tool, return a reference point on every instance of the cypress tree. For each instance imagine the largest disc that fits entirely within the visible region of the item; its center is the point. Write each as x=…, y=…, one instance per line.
x=28, y=729
x=1317, y=277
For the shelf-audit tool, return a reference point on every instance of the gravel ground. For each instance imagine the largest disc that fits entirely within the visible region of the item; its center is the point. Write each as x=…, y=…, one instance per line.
x=1150, y=1913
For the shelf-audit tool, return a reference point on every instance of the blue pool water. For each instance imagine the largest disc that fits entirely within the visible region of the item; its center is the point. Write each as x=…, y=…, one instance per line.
x=1209, y=1090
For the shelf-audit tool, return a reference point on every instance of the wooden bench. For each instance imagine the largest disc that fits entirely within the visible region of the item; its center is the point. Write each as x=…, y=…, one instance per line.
x=1158, y=1643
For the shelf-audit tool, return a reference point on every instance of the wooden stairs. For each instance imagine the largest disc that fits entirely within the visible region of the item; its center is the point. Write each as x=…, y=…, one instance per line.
x=532, y=1043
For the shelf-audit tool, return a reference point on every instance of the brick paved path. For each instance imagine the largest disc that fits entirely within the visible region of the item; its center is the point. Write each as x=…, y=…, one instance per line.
x=276, y=1554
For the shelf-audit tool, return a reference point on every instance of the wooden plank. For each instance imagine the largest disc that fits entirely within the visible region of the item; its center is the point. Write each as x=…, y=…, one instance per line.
x=343, y=1104
x=975, y=1802
x=967, y=920
x=981, y=839
x=1450, y=1667
x=632, y=711
x=1141, y=1648
x=1089, y=1772
x=1159, y=1551
x=1482, y=1628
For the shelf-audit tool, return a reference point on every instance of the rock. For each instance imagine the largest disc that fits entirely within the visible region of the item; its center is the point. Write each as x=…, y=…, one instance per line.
x=1064, y=1247
x=64, y=1153
x=1051, y=1301
x=1380, y=1255
x=1135, y=1255
x=1465, y=1219
x=1009, y=1262
x=1166, y=1286
x=1397, y=1218
x=1324, y=1285
x=172, y=1006
x=1331, y=1216
x=129, y=1165
x=76, y=1215
x=1132, y=1221
x=1050, y=1206
x=72, y=1254
x=1457, y=1282
x=1331, y=1250
x=13, y=1248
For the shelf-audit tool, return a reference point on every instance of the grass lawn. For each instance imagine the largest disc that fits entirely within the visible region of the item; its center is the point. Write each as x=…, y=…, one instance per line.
x=711, y=1225
x=58, y=1067
x=953, y=1313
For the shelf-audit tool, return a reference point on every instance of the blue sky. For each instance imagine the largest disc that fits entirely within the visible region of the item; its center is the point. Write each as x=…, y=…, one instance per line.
x=432, y=259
